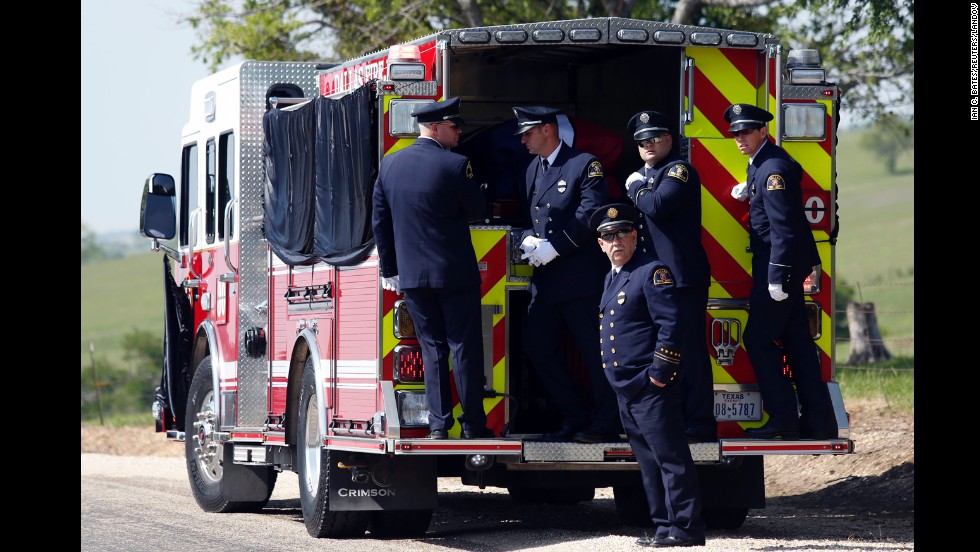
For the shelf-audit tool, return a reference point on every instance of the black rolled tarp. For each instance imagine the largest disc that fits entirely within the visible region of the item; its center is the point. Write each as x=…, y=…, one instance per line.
x=290, y=186
x=344, y=178
x=319, y=178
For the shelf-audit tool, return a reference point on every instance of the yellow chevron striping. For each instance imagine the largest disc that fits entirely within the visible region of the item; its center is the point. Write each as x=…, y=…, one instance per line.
x=814, y=160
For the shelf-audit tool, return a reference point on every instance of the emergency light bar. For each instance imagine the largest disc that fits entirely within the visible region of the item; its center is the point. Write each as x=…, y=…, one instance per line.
x=405, y=63
x=803, y=67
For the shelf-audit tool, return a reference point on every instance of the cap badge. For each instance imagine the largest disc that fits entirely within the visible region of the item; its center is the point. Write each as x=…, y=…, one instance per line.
x=644, y=118
x=612, y=212
x=737, y=109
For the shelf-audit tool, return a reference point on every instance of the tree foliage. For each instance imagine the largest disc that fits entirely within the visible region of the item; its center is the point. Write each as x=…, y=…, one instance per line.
x=123, y=390
x=867, y=45
x=890, y=137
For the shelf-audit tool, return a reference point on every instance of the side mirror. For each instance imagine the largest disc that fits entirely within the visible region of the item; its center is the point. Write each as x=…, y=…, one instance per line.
x=158, y=209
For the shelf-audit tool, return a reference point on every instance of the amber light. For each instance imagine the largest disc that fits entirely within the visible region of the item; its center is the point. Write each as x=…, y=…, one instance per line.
x=408, y=365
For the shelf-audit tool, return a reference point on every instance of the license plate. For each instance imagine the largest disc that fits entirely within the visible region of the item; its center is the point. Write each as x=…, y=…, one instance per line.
x=738, y=406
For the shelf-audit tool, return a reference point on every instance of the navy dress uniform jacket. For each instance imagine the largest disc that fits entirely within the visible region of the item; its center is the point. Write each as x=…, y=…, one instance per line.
x=560, y=202
x=424, y=199
x=670, y=200
x=778, y=229
x=641, y=326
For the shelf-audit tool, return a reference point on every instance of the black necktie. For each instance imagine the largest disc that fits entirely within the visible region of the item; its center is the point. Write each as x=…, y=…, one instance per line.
x=545, y=164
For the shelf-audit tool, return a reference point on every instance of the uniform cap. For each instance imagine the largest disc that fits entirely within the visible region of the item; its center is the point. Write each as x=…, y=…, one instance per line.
x=746, y=116
x=647, y=124
x=614, y=216
x=437, y=112
x=530, y=117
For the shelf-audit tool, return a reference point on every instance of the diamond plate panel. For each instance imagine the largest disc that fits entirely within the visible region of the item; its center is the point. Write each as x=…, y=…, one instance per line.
x=255, y=78
x=537, y=451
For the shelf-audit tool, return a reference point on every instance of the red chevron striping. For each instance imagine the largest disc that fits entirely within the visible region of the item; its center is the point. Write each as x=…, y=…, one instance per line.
x=711, y=170
x=744, y=61
x=726, y=271
x=499, y=339
x=496, y=261
x=710, y=101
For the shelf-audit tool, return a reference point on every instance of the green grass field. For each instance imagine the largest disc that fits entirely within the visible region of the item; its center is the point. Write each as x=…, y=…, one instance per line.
x=875, y=252
x=874, y=255
x=118, y=296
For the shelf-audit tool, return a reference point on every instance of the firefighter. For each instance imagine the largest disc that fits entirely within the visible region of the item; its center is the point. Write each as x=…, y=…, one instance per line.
x=563, y=187
x=783, y=254
x=667, y=191
x=424, y=198
x=643, y=333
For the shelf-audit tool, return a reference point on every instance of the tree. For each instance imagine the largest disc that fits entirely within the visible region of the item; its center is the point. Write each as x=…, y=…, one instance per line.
x=91, y=248
x=889, y=138
x=868, y=45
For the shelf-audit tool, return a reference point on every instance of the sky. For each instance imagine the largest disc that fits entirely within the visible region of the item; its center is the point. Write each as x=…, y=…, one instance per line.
x=137, y=73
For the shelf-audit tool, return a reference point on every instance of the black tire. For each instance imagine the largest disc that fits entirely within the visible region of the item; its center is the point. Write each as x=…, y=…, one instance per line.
x=400, y=524
x=728, y=519
x=551, y=495
x=205, y=454
x=632, y=506
x=313, y=461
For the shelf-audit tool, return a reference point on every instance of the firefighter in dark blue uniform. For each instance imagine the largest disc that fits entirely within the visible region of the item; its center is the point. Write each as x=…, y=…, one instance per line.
x=642, y=329
x=424, y=198
x=563, y=188
x=783, y=254
x=667, y=190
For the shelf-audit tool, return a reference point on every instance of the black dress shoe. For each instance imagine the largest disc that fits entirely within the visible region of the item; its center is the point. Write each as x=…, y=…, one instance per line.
x=769, y=432
x=564, y=434
x=678, y=542
x=595, y=436
x=482, y=433
x=701, y=438
x=645, y=541
x=438, y=434
x=818, y=435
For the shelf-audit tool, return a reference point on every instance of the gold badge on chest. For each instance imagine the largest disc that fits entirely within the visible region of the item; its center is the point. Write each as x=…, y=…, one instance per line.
x=621, y=297
x=562, y=186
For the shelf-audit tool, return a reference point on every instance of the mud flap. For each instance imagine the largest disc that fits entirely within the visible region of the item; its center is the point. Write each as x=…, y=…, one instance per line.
x=392, y=483
x=740, y=485
x=244, y=483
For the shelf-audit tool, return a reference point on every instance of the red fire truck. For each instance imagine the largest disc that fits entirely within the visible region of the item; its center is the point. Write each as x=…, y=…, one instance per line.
x=283, y=352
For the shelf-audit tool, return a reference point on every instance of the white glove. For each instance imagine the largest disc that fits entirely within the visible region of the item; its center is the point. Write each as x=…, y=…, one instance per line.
x=740, y=191
x=777, y=293
x=635, y=177
x=391, y=284
x=544, y=254
x=529, y=244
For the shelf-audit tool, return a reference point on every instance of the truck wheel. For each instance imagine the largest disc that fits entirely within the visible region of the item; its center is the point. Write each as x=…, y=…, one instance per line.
x=724, y=518
x=205, y=454
x=314, y=472
x=400, y=524
x=632, y=506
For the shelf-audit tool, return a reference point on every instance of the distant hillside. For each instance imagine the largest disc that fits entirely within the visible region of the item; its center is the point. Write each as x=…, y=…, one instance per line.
x=875, y=257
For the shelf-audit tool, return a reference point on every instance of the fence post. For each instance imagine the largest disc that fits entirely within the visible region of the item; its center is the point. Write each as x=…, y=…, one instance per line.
x=866, y=343
x=95, y=377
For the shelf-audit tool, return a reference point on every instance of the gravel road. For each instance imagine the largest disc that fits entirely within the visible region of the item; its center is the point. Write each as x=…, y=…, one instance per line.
x=144, y=504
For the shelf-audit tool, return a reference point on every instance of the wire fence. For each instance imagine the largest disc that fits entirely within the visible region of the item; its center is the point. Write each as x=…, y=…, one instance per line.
x=884, y=321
